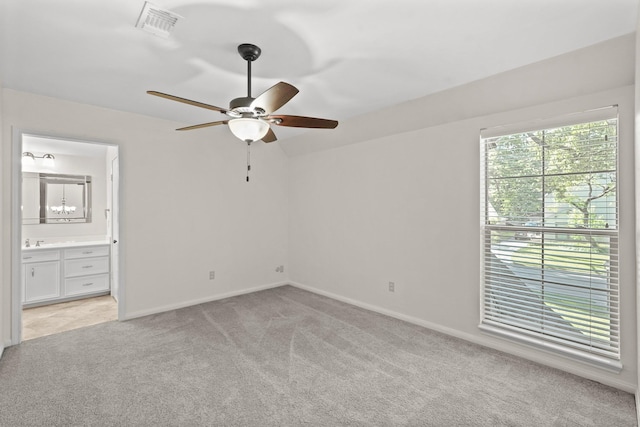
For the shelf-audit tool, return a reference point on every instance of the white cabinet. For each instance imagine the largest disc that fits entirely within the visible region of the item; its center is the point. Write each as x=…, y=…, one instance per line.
x=86, y=252
x=40, y=276
x=85, y=266
x=42, y=281
x=86, y=284
x=86, y=270
x=54, y=275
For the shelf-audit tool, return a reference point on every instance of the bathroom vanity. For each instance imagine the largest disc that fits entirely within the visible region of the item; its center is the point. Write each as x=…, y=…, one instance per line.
x=64, y=271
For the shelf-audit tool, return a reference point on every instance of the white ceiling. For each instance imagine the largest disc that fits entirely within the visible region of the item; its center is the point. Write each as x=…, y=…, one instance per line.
x=347, y=57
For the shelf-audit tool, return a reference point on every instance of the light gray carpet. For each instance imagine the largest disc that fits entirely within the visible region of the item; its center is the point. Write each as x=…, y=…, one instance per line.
x=286, y=357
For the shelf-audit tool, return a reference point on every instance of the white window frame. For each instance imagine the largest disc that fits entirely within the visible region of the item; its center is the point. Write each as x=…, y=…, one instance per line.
x=509, y=331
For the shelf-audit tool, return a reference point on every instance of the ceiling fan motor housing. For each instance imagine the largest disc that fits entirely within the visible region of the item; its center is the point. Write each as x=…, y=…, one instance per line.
x=241, y=103
x=241, y=107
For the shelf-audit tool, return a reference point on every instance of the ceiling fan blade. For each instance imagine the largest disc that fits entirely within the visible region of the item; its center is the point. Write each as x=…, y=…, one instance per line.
x=187, y=101
x=304, y=122
x=205, y=125
x=274, y=97
x=270, y=136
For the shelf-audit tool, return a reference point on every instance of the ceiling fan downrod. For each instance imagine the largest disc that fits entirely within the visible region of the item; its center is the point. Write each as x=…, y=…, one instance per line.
x=249, y=53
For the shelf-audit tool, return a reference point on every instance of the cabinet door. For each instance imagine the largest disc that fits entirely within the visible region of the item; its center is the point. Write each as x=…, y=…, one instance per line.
x=41, y=281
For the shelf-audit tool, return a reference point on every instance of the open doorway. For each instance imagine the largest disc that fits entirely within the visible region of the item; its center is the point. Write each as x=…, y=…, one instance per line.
x=67, y=217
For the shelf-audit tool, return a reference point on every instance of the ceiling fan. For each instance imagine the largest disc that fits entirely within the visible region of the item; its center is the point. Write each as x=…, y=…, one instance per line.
x=250, y=119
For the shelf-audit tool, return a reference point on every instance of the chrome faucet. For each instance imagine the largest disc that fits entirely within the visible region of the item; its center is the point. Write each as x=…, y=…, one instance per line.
x=38, y=243
x=27, y=244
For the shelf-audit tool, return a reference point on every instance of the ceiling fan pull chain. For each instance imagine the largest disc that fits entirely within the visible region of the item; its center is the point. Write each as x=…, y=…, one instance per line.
x=248, y=159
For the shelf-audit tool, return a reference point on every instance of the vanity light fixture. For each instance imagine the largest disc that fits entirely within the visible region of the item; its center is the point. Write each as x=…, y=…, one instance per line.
x=28, y=158
x=48, y=160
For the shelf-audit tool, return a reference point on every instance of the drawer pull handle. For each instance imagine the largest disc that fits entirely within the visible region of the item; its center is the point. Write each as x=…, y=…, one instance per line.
x=27, y=257
x=33, y=271
x=87, y=284
x=87, y=252
x=87, y=266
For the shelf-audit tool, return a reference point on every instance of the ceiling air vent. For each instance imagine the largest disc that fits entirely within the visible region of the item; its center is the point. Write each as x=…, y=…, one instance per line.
x=157, y=21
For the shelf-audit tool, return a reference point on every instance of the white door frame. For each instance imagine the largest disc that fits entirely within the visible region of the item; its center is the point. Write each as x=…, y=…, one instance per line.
x=114, y=225
x=16, y=230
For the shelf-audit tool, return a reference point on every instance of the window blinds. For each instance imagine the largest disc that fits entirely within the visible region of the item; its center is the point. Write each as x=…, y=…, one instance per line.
x=550, y=234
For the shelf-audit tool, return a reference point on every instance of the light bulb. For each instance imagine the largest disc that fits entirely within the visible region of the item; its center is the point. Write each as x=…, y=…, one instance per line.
x=48, y=160
x=248, y=129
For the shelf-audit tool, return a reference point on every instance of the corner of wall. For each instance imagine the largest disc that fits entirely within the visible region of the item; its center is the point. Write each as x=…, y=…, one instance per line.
x=637, y=194
x=5, y=201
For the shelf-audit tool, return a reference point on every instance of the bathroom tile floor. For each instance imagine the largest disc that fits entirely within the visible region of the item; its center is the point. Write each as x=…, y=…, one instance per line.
x=56, y=318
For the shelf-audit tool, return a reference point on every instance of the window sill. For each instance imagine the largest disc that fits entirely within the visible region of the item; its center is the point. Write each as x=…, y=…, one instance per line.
x=549, y=347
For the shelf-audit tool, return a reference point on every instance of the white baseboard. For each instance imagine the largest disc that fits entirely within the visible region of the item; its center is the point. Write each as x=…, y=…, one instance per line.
x=189, y=303
x=506, y=347
x=390, y=313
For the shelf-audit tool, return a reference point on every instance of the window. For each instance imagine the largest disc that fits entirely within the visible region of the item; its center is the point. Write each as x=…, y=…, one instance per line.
x=550, y=237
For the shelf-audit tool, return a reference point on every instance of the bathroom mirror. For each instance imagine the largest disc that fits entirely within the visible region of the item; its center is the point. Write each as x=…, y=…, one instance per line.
x=49, y=198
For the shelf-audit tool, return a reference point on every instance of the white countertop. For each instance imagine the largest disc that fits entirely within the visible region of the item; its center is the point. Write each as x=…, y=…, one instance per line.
x=59, y=245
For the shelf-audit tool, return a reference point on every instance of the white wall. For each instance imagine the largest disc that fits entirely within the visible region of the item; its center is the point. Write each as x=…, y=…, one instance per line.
x=404, y=207
x=186, y=208
x=637, y=188
x=5, y=239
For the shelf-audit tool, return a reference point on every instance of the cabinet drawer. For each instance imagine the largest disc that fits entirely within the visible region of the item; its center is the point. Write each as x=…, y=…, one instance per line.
x=38, y=256
x=86, y=284
x=86, y=266
x=86, y=252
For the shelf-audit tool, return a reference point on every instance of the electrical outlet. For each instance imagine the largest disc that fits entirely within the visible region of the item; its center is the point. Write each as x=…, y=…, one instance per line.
x=280, y=269
x=392, y=287
x=212, y=275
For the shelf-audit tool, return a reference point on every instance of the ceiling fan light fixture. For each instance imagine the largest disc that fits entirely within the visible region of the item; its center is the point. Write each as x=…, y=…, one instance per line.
x=248, y=129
